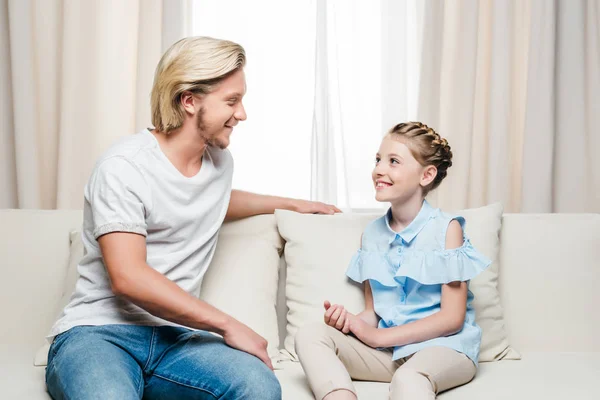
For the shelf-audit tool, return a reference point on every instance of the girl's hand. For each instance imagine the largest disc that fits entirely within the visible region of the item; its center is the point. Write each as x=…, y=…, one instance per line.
x=336, y=316
x=366, y=333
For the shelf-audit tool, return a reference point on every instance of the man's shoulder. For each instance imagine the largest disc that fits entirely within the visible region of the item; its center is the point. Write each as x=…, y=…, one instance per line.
x=128, y=147
x=122, y=158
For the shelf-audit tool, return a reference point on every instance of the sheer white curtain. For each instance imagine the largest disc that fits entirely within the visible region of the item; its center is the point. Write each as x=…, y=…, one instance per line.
x=325, y=79
x=271, y=148
x=367, y=75
x=75, y=76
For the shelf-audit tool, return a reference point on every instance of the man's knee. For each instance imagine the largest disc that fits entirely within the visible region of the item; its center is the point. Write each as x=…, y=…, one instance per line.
x=258, y=383
x=314, y=333
x=271, y=389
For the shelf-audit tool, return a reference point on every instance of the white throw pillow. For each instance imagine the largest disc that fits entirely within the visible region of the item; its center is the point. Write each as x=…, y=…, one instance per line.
x=319, y=247
x=241, y=280
x=483, y=227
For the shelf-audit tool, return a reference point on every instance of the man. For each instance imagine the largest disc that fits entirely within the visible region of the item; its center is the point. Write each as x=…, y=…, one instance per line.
x=153, y=208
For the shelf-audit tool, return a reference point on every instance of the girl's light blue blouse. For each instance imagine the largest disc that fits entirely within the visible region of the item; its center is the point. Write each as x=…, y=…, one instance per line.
x=406, y=272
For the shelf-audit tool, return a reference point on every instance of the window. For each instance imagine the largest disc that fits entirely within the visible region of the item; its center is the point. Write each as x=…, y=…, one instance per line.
x=271, y=148
x=369, y=74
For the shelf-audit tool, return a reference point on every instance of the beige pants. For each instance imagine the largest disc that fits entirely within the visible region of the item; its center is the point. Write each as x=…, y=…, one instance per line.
x=332, y=359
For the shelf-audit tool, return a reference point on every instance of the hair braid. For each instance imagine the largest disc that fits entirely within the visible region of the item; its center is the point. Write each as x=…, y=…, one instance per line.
x=428, y=147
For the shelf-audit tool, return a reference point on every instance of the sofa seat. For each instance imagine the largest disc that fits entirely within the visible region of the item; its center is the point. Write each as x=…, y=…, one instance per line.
x=548, y=376
x=19, y=379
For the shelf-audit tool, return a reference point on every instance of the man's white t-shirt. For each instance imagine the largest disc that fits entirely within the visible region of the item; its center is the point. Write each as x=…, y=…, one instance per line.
x=135, y=188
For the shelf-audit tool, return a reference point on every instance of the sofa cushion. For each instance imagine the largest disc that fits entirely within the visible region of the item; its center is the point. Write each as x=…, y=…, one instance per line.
x=18, y=378
x=319, y=247
x=75, y=255
x=241, y=280
x=34, y=253
x=546, y=376
x=549, y=281
x=317, y=251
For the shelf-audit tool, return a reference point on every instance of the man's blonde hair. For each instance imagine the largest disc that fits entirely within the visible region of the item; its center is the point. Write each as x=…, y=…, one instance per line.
x=194, y=64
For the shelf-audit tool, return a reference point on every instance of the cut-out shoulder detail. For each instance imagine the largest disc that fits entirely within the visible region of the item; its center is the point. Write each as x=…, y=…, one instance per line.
x=454, y=235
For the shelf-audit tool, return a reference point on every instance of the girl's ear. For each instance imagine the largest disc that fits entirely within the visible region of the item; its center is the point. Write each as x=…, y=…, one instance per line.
x=428, y=175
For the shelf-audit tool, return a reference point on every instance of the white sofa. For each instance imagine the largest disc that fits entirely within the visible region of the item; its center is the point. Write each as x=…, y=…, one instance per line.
x=548, y=282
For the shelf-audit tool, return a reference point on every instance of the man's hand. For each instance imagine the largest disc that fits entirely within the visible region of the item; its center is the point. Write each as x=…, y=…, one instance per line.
x=337, y=317
x=241, y=337
x=313, y=207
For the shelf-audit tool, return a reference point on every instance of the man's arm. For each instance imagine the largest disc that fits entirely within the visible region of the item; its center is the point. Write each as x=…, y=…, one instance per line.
x=245, y=204
x=124, y=256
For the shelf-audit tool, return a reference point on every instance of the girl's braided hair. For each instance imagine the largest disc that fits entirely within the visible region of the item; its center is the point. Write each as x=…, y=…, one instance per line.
x=428, y=148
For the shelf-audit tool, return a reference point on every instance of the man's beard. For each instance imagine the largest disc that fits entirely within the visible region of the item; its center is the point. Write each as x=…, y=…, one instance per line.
x=210, y=141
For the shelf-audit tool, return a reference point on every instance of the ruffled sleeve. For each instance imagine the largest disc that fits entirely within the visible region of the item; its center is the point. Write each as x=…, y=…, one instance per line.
x=371, y=265
x=442, y=266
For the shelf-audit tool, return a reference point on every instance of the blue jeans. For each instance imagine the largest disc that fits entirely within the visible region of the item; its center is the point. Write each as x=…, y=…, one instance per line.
x=134, y=362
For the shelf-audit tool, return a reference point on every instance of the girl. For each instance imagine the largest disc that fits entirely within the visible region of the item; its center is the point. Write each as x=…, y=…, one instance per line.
x=418, y=328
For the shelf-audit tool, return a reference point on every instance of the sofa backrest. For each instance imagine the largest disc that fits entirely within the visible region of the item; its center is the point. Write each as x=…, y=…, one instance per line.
x=549, y=266
x=34, y=253
x=549, y=277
